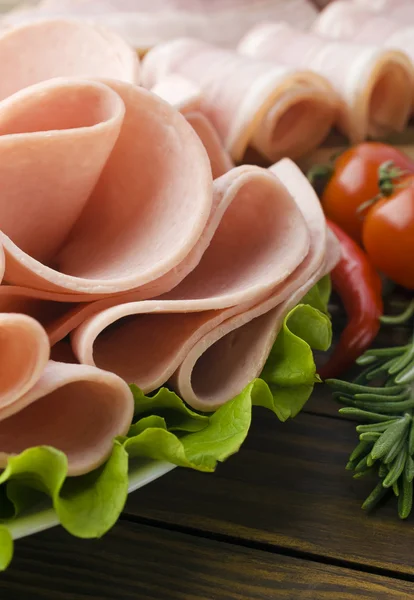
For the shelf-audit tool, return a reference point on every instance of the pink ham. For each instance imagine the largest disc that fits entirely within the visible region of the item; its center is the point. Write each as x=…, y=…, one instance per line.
x=180, y=338
x=347, y=20
x=225, y=360
x=278, y=110
x=224, y=260
x=232, y=276
x=187, y=98
x=144, y=23
x=75, y=148
x=375, y=85
x=344, y=20
x=25, y=350
x=75, y=408
x=40, y=51
x=401, y=10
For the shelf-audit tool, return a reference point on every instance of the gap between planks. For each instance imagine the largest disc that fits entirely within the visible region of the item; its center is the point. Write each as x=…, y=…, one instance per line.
x=267, y=547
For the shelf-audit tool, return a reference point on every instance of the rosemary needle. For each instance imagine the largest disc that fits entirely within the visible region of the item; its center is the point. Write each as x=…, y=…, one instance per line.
x=385, y=415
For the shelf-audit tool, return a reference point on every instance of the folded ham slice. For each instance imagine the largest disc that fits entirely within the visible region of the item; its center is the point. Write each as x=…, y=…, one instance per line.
x=176, y=337
x=187, y=98
x=278, y=110
x=75, y=408
x=25, y=350
x=39, y=51
x=145, y=23
x=70, y=149
x=376, y=86
x=225, y=360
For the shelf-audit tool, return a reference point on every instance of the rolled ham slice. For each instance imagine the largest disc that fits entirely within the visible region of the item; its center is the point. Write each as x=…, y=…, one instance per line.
x=401, y=10
x=187, y=98
x=70, y=149
x=25, y=350
x=77, y=409
x=348, y=20
x=145, y=23
x=176, y=338
x=231, y=277
x=376, y=85
x=39, y=51
x=278, y=110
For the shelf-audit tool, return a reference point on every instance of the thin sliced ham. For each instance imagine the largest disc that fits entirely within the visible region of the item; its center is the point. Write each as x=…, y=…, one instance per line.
x=278, y=110
x=376, y=85
x=381, y=5
x=175, y=337
x=231, y=277
x=39, y=51
x=145, y=23
x=400, y=10
x=227, y=273
x=70, y=149
x=225, y=360
x=25, y=349
x=187, y=98
x=347, y=20
x=75, y=408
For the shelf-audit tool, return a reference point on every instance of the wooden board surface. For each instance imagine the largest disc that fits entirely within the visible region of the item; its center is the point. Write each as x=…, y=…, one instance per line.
x=287, y=488
x=136, y=562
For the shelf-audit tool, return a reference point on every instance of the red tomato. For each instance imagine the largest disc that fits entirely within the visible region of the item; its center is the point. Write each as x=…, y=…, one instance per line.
x=355, y=180
x=388, y=234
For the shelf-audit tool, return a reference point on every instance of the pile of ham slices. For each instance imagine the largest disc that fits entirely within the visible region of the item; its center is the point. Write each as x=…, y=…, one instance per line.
x=132, y=249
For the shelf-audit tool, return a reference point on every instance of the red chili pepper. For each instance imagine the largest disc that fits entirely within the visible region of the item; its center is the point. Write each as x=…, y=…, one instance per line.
x=359, y=287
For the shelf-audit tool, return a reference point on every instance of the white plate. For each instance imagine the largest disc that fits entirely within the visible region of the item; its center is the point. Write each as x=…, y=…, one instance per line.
x=140, y=475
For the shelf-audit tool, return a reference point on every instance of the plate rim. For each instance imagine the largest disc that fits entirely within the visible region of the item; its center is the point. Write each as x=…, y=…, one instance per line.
x=43, y=519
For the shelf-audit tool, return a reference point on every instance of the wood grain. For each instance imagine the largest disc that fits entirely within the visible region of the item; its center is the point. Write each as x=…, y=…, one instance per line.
x=145, y=563
x=287, y=488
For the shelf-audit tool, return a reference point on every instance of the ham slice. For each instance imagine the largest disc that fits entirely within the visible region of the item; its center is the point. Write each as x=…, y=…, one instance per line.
x=225, y=275
x=345, y=20
x=75, y=147
x=187, y=98
x=39, y=51
x=180, y=338
x=145, y=23
x=224, y=361
x=230, y=277
x=375, y=85
x=75, y=408
x=25, y=350
x=348, y=20
x=401, y=10
x=278, y=110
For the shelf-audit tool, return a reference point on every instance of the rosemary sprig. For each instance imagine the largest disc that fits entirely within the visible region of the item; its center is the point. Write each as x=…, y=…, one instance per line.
x=385, y=412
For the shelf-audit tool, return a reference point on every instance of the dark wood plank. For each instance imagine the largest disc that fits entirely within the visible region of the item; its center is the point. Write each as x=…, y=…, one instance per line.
x=287, y=487
x=139, y=562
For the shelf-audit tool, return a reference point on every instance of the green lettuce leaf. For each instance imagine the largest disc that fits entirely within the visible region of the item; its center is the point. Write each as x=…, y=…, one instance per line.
x=319, y=295
x=166, y=404
x=6, y=547
x=225, y=432
x=87, y=506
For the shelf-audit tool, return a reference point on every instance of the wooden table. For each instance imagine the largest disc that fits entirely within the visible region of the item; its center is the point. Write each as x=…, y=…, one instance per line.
x=281, y=519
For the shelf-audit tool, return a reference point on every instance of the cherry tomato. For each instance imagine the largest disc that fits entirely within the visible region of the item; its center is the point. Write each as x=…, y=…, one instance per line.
x=388, y=234
x=355, y=181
